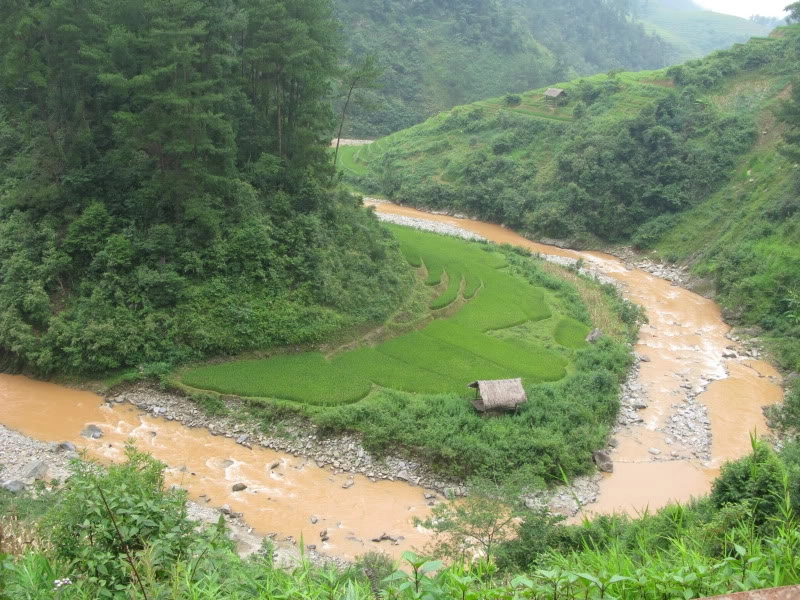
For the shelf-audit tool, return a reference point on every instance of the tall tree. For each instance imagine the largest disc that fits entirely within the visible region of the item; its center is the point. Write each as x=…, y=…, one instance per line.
x=794, y=12
x=363, y=74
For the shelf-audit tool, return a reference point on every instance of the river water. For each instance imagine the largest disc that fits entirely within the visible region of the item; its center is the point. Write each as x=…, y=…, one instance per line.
x=685, y=340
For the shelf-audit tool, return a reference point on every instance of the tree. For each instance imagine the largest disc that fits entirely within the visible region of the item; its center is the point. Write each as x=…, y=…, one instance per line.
x=794, y=13
x=360, y=75
x=110, y=523
x=475, y=526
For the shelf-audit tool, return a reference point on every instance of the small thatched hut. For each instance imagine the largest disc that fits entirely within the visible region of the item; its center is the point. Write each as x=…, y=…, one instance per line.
x=498, y=395
x=556, y=95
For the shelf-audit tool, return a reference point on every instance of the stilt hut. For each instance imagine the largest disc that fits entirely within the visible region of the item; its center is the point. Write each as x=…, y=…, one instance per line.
x=498, y=395
x=556, y=95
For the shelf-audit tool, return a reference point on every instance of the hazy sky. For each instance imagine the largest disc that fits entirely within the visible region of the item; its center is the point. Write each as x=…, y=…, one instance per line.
x=745, y=8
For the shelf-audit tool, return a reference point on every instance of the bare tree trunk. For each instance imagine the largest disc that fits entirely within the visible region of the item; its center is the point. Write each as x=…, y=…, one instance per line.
x=341, y=126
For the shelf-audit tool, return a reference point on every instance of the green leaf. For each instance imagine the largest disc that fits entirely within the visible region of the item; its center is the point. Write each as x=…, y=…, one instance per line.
x=433, y=565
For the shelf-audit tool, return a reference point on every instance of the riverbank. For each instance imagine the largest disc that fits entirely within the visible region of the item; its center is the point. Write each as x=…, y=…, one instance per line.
x=341, y=455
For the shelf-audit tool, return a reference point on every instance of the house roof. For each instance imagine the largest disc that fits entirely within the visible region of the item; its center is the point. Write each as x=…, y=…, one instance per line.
x=499, y=393
x=554, y=92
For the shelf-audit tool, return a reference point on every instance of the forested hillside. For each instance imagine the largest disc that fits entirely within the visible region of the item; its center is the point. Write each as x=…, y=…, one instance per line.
x=627, y=159
x=164, y=185
x=441, y=53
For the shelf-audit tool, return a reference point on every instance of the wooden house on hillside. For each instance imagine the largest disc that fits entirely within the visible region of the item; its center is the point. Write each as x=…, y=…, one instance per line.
x=498, y=395
x=556, y=96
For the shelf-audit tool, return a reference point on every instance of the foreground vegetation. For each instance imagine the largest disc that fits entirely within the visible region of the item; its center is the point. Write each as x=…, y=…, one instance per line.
x=118, y=534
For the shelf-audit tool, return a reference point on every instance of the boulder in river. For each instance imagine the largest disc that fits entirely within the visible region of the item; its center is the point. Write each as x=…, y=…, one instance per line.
x=603, y=461
x=66, y=447
x=92, y=432
x=238, y=487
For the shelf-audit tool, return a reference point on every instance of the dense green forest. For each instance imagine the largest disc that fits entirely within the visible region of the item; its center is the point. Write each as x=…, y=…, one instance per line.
x=164, y=185
x=440, y=53
x=692, y=150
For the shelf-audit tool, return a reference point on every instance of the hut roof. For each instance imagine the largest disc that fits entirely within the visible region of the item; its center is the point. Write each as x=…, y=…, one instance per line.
x=499, y=394
x=554, y=92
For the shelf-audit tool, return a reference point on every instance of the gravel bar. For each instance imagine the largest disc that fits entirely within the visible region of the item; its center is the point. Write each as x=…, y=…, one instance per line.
x=432, y=226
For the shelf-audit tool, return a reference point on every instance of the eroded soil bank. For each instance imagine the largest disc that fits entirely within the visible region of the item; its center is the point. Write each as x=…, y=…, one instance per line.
x=691, y=403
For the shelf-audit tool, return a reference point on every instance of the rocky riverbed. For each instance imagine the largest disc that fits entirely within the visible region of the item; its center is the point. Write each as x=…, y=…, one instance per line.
x=432, y=226
x=340, y=454
x=26, y=462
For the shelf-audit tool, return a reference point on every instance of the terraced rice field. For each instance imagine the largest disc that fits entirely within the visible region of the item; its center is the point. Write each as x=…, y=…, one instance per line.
x=440, y=358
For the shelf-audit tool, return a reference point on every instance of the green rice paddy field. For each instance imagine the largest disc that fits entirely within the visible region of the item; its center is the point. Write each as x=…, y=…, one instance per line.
x=443, y=356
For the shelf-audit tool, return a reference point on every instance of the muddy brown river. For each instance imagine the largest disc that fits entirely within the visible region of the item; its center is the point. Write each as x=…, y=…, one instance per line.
x=684, y=340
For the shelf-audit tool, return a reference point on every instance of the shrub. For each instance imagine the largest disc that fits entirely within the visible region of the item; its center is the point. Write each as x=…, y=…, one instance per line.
x=756, y=479
x=109, y=521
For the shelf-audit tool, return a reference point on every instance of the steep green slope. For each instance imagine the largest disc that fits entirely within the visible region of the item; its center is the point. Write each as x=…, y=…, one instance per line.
x=746, y=238
x=695, y=32
x=624, y=161
x=164, y=186
x=441, y=53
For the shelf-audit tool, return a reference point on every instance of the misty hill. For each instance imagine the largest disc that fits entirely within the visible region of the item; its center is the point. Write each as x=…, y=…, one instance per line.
x=694, y=31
